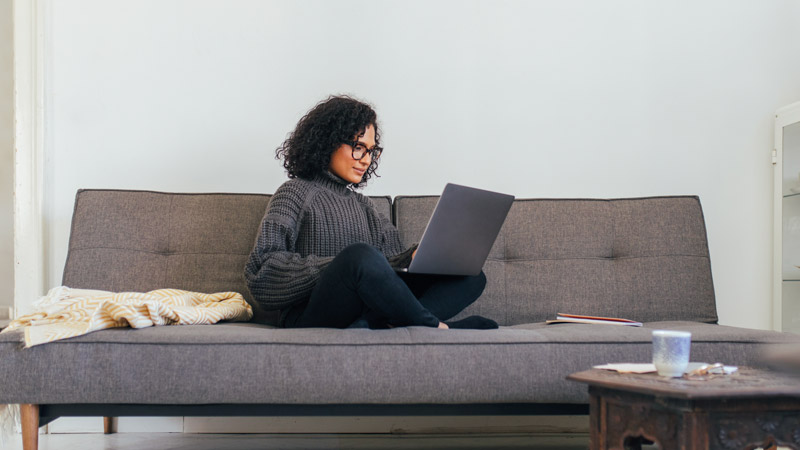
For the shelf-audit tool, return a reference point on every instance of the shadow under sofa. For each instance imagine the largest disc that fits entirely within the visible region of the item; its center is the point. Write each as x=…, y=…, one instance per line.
x=643, y=258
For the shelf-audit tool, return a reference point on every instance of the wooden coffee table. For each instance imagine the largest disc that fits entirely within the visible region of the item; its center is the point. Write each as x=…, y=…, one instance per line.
x=750, y=409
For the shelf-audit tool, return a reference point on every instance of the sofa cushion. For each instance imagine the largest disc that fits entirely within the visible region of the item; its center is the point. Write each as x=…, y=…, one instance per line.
x=250, y=363
x=644, y=259
x=142, y=240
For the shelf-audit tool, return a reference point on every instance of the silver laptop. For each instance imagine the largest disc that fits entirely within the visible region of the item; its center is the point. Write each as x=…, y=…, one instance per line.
x=461, y=231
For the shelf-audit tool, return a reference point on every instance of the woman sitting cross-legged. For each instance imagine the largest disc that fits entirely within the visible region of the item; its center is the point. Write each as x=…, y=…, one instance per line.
x=325, y=256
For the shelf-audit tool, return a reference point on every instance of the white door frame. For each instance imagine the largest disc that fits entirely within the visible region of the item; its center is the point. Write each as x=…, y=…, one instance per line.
x=783, y=117
x=29, y=261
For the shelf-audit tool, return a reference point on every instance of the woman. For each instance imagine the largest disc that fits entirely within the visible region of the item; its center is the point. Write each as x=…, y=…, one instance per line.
x=324, y=256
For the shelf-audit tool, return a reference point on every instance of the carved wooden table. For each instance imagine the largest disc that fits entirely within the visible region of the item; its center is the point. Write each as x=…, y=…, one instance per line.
x=751, y=409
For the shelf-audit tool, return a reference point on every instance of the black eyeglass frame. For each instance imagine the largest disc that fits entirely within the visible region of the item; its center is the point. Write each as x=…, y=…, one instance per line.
x=374, y=151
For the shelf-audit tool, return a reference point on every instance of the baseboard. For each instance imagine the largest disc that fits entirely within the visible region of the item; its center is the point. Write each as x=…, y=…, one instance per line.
x=122, y=425
x=390, y=425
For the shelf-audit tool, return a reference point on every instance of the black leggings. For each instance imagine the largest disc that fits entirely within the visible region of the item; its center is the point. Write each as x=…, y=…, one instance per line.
x=360, y=289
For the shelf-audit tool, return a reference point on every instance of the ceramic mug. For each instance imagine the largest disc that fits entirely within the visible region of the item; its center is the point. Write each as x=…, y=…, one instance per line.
x=671, y=352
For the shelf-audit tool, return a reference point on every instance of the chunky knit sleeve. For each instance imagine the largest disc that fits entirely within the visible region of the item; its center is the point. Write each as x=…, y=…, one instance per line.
x=276, y=275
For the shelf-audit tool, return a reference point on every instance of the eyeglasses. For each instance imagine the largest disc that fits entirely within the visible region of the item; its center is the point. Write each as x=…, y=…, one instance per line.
x=359, y=150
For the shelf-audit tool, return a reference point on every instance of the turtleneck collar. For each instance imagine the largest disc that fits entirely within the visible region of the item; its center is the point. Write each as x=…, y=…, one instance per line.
x=333, y=182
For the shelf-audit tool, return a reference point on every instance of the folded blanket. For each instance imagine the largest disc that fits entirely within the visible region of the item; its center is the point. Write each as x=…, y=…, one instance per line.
x=67, y=312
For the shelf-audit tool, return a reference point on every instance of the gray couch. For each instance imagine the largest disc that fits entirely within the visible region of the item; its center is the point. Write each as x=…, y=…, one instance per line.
x=644, y=258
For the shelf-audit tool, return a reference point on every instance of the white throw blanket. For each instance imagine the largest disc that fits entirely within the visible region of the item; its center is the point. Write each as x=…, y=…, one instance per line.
x=9, y=424
x=65, y=312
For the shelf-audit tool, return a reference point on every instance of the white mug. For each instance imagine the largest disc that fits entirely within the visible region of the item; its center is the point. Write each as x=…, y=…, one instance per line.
x=671, y=352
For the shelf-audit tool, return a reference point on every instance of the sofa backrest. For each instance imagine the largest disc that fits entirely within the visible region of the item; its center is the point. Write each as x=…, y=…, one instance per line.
x=644, y=259
x=140, y=240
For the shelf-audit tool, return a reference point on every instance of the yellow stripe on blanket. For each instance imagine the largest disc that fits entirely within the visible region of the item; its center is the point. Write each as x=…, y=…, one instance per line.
x=66, y=312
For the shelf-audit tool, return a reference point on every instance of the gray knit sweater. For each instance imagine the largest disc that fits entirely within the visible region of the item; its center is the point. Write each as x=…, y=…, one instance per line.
x=307, y=223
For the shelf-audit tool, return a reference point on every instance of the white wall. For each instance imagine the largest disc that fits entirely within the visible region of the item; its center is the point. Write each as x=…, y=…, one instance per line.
x=6, y=157
x=577, y=98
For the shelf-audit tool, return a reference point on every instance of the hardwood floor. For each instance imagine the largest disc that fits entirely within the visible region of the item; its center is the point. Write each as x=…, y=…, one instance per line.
x=175, y=441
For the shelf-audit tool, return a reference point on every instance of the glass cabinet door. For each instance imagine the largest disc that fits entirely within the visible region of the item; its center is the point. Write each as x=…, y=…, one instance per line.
x=786, y=303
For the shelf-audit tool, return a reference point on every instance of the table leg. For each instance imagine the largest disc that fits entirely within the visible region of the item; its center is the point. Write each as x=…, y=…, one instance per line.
x=627, y=422
x=596, y=425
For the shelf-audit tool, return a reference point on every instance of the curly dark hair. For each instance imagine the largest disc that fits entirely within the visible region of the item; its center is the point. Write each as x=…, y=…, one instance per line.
x=308, y=149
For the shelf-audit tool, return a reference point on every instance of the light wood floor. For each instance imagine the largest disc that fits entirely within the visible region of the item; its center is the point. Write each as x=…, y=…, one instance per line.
x=194, y=441
x=175, y=441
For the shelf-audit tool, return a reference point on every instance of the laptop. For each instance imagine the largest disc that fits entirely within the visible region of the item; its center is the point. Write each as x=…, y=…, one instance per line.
x=460, y=232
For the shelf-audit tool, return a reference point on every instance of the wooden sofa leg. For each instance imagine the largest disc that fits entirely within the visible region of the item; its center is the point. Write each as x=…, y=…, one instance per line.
x=108, y=425
x=30, y=426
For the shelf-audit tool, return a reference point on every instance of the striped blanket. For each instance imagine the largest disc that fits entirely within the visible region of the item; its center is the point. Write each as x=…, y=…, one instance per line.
x=65, y=312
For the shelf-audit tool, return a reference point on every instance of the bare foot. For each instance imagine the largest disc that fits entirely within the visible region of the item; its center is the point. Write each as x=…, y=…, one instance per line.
x=443, y=326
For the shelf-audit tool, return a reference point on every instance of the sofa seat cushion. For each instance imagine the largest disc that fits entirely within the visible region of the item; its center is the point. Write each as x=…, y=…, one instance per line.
x=250, y=363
